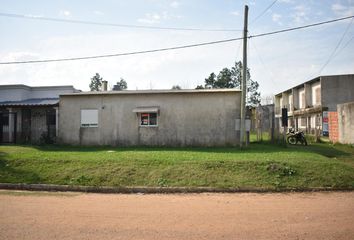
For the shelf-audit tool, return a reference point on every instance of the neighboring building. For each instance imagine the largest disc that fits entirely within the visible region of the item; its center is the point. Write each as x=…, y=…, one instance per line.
x=29, y=114
x=308, y=104
x=341, y=124
x=150, y=117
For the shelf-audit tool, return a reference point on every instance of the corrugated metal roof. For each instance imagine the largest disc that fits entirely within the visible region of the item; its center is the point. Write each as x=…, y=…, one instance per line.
x=31, y=102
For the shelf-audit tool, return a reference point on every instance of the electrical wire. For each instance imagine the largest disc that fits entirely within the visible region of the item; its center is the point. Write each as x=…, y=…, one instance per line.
x=264, y=11
x=123, y=54
x=12, y=15
x=336, y=48
x=344, y=46
x=174, y=48
x=301, y=27
x=262, y=62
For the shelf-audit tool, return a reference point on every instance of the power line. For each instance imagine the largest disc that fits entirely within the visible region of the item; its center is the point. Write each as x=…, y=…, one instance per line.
x=344, y=46
x=262, y=62
x=123, y=54
x=174, y=48
x=264, y=11
x=301, y=27
x=337, y=46
x=31, y=17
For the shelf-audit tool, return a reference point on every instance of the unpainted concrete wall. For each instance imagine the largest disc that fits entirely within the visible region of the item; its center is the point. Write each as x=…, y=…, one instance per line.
x=336, y=90
x=346, y=122
x=185, y=119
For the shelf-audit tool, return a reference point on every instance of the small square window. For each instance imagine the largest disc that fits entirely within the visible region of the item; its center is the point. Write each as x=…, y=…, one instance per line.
x=148, y=119
x=89, y=117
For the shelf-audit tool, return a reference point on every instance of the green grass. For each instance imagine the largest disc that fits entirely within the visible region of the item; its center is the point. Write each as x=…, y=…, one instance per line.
x=261, y=165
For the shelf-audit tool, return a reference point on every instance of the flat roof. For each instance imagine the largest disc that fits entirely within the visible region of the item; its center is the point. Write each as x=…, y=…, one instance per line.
x=31, y=102
x=127, y=92
x=312, y=80
x=22, y=86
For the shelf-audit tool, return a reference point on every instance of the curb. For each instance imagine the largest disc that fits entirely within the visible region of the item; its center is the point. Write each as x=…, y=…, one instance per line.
x=156, y=190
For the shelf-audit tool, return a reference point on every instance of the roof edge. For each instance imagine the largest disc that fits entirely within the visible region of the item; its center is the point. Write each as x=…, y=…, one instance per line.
x=134, y=92
x=313, y=79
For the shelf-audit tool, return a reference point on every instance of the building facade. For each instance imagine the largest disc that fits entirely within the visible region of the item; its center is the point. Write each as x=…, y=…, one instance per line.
x=150, y=117
x=29, y=114
x=308, y=104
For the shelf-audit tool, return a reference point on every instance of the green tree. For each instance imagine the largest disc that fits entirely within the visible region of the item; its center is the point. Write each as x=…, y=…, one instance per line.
x=210, y=81
x=176, y=87
x=96, y=82
x=121, y=85
x=232, y=78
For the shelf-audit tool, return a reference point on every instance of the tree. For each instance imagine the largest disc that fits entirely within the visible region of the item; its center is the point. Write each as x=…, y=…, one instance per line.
x=121, y=85
x=176, y=87
x=96, y=83
x=232, y=78
x=210, y=81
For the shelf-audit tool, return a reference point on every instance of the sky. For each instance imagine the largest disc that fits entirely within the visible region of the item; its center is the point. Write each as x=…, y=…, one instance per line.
x=276, y=62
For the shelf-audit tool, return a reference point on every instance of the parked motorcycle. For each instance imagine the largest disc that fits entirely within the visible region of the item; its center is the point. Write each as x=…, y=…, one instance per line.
x=295, y=137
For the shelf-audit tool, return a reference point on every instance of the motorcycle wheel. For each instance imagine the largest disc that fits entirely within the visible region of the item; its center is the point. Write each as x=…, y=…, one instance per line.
x=291, y=140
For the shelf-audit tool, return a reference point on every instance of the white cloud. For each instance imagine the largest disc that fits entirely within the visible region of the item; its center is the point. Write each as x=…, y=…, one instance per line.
x=235, y=13
x=285, y=1
x=65, y=13
x=341, y=10
x=33, y=16
x=276, y=17
x=301, y=14
x=175, y=4
x=187, y=67
x=97, y=12
x=150, y=18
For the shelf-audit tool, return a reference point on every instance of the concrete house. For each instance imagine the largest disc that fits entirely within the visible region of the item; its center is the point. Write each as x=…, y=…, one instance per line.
x=28, y=114
x=308, y=104
x=150, y=117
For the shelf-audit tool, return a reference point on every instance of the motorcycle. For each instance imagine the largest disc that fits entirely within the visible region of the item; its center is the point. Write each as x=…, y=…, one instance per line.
x=295, y=137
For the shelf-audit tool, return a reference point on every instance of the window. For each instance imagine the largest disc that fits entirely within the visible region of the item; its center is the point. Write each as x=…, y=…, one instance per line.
x=290, y=103
x=148, y=119
x=318, y=96
x=302, y=99
x=89, y=117
x=303, y=122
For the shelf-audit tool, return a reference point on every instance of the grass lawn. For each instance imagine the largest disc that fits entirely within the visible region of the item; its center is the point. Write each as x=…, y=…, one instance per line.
x=261, y=165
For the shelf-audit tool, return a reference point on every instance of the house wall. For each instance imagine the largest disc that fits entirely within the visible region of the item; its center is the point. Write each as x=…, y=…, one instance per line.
x=336, y=90
x=185, y=119
x=316, y=86
x=345, y=114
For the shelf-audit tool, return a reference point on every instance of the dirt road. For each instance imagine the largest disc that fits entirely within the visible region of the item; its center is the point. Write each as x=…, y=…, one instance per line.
x=191, y=216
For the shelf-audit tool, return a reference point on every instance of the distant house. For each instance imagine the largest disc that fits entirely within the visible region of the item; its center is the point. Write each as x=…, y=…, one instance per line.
x=150, y=117
x=29, y=114
x=309, y=103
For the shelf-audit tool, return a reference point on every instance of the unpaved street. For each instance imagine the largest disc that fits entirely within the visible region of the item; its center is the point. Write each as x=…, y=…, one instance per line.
x=182, y=216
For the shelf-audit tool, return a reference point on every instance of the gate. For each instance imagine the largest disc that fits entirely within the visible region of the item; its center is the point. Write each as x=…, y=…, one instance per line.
x=8, y=127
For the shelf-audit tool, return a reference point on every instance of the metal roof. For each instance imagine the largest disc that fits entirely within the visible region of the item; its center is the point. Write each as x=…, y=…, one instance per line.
x=31, y=102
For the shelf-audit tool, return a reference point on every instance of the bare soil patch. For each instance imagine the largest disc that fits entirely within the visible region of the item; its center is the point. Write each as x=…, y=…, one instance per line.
x=321, y=215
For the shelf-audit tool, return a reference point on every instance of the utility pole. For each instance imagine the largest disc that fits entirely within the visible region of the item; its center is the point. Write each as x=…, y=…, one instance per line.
x=244, y=80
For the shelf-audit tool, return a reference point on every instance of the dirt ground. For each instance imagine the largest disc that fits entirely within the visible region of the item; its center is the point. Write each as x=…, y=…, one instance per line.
x=30, y=215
